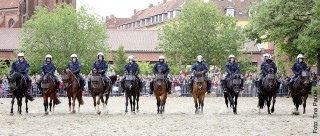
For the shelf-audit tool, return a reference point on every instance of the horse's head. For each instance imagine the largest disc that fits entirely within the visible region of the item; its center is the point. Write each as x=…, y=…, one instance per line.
x=46, y=78
x=95, y=72
x=271, y=71
x=14, y=77
x=66, y=76
x=14, y=80
x=305, y=77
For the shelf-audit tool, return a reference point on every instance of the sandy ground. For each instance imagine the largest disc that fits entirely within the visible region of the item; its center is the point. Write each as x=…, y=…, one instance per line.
x=179, y=119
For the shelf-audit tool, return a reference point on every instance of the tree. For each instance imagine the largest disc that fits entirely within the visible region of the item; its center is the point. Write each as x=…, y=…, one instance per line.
x=246, y=65
x=145, y=67
x=4, y=68
x=200, y=30
x=291, y=24
x=120, y=60
x=61, y=33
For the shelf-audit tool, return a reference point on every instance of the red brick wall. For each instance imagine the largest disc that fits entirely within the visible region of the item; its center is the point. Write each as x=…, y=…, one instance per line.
x=6, y=55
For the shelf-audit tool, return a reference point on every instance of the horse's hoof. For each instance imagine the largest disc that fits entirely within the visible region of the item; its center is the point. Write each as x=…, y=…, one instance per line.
x=269, y=113
x=11, y=114
x=46, y=113
x=272, y=110
x=73, y=112
x=99, y=112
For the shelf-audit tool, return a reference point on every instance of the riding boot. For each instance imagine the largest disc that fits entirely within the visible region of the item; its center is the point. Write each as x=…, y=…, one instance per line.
x=89, y=85
x=122, y=85
x=140, y=85
x=27, y=94
x=191, y=87
x=208, y=87
x=169, y=87
x=151, y=88
x=241, y=85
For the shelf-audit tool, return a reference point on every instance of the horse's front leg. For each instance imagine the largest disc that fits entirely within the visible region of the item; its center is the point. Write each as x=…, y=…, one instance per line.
x=134, y=103
x=98, y=102
x=50, y=103
x=94, y=102
x=202, y=102
x=304, y=105
x=12, y=103
x=69, y=98
x=26, y=101
x=74, y=102
x=235, y=103
x=269, y=103
x=138, y=102
x=195, y=99
x=273, y=102
x=19, y=104
x=127, y=97
x=226, y=99
x=45, y=104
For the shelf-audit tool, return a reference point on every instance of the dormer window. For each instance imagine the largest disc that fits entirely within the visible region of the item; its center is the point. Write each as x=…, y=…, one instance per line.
x=230, y=12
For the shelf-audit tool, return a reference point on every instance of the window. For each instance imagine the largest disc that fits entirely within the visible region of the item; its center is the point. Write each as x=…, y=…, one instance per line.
x=241, y=0
x=230, y=12
x=11, y=23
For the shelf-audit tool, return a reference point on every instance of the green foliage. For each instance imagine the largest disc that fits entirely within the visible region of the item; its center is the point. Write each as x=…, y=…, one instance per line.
x=119, y=60
x=145, y=67
x=62, y=33
x=4, y=68
x=200, y=30
x=245, y=64
x=292, y=24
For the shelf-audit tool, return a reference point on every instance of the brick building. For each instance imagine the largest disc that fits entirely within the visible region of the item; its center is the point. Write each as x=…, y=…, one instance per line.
x=13, y=13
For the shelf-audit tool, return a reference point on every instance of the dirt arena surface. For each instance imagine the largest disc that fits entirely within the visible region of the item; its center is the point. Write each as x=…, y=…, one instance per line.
x=178, y=119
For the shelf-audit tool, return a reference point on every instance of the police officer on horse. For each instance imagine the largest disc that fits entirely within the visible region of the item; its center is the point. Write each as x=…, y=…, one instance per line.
x=232, y=67
x=163, y=67
x=101, y=66
x=49, y=67
x=22, y=66
x=265, y=67
x=75, y=67
x=202, y=67
x=133, y=67
x=297, y=69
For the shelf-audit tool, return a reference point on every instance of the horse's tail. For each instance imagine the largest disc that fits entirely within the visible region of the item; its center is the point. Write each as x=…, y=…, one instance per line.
x=29, y=97
x=113, y=79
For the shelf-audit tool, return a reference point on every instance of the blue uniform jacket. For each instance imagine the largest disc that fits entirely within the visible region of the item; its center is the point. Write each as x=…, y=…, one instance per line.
x=21, y=67
x=101, y=66
x=48, y=67
x=134, y=67
x=161, y=66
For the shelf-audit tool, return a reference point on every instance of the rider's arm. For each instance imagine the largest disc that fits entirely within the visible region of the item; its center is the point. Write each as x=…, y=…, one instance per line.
x=125, y=69
x=193, y=69
x=94, y=65
x=228, y=69
x=167, y=71
x=275, y=68
x=138, y=70
x=238, y=68
x=105, y=68
x=262, y=68
x=77, y=71
x=205, y=68
x=53, y=69
x=26, y=70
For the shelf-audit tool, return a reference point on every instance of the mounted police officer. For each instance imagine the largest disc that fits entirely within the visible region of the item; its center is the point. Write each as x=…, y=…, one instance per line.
x=101, y=66
x=22, y=66
x=265, y=67
x=297, y=69
x=202, y=67
x=133, y=67
x=49, y=67
x=75, y=67
x=232, y=67
x=161, y=65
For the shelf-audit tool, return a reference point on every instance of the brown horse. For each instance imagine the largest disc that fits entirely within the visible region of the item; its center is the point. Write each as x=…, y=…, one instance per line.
x=160, y=91
x=48, y=90
x=299, y=93
x=97, y=89
x=71, y=84
x=199, y=91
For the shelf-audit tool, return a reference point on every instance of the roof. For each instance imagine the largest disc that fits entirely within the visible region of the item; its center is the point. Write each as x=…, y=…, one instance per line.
x=9, y=39
x=112, y=23
x=156, y=9
x=240, y=7
x=9, y=4
x=134, y=40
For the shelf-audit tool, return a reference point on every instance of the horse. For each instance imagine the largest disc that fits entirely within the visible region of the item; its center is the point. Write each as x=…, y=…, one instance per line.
x=132, y=92
x=18, y=85
x=199, y=88
x=48, y=90
x=97, y=89
x=299, y=91
x=268, y=91
x=160, y=91
x=72, y=86
x=233, y=89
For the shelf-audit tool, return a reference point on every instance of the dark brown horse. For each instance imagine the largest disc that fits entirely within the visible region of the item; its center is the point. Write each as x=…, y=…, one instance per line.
x=97, y=89
x=199, y=91
x=48, y=90
x=18, y=86
x=233, y=89
x=132, y=92
x=71, y=84
x=160, y=91
x=268, y=91
x=299, y=93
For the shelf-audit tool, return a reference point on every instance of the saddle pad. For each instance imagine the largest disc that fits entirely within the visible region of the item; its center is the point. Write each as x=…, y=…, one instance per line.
x=95, y=78
x=271, y=76
x=45, y=85
x=236, y=81
x=130, y=77
x=199, y=79
x=304, y=74
x=158, y=76
x=64, y=77
x=11, y=85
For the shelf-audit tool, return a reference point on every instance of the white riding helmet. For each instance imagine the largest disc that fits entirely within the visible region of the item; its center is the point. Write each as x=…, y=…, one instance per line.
x=270, y=57
x=199, y=58
x=100, y=53
x=300, y=56
x=48, y=56
x=232, y=56
x=161, y=57
x=73, y=56
x=20, y=54
x=130, y=57
x=266, y=55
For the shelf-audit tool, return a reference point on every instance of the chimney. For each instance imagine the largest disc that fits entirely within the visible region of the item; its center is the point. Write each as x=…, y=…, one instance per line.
x=112, y=16
x=134, y=11
x=151, y=5
x=164, y=1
